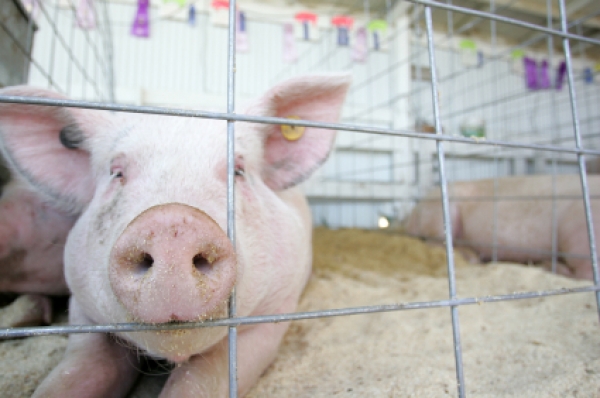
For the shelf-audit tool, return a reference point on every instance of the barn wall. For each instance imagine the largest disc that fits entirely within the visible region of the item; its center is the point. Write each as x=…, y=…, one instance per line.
x=367, y=176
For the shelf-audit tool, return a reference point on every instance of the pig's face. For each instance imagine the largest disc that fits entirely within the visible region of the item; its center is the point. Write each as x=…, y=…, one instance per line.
x=150, y=244
x=154, y=231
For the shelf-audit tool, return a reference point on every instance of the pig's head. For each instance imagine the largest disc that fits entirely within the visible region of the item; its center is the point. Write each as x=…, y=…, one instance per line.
x=150, y=243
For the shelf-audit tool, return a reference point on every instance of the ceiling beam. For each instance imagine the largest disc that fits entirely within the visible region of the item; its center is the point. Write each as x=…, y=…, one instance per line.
x=576, y=5
x=535, y=9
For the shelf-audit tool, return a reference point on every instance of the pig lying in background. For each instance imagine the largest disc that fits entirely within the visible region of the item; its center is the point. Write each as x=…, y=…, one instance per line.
x=32, y=237
x=524, y=227
x=150, y=245
x=33, y=232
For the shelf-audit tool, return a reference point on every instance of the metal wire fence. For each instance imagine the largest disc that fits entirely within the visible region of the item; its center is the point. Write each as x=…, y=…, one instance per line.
x=104, y=99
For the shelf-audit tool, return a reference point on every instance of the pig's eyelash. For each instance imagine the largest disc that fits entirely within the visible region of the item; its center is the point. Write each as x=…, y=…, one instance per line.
x=239, y=171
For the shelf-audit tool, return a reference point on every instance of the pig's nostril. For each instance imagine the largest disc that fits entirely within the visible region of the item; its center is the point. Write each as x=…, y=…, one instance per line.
x=201, y=263
x=146, y=262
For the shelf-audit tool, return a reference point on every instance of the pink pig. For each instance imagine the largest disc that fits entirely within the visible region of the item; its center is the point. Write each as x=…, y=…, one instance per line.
x=33, y=231
x=524, y=226
x=150, y=245
x=32, y=240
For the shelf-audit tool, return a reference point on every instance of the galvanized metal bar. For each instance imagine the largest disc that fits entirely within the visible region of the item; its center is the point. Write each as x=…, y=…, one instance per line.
x=231, y=70
x=70, y=64
x=555, y=131
x=108, y=52
x=276, y=120
x=496, y=162
x=296, y=316
x=460, y=379
x=53, y=44
x=580, y=156
x=27, y=52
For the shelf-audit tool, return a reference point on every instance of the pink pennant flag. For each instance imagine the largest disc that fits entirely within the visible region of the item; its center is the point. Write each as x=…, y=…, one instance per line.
x=290, y=53
x=85, y=15
x=141, y=23
x=360, y=50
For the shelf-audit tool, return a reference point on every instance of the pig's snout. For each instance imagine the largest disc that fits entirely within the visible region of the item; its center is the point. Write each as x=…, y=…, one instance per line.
x=172, y=263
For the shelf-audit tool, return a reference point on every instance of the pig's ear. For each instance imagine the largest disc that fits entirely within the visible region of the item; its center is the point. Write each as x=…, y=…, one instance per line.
x=288, y=162
x=45, y=144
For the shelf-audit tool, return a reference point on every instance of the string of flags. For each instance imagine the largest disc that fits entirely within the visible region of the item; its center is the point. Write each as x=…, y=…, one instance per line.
x=360, y=37
x=538, y=73
x=370, y=35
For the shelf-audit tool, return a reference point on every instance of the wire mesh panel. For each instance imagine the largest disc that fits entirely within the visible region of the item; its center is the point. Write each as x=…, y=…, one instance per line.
x=464, y=120
x=67, y=51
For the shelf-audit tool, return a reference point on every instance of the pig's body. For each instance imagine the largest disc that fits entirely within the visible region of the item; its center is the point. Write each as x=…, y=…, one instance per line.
x=32, y=241
x=524, y=226
x=150, y=245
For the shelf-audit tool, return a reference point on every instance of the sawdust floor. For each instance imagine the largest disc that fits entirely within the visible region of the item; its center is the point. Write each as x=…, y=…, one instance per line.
x=546, y=347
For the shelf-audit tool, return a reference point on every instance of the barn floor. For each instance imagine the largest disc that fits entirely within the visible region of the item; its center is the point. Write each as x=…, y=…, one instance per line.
x=548, y=347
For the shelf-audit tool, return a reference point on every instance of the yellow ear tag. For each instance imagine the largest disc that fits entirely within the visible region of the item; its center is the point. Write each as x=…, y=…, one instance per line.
x=292, y=133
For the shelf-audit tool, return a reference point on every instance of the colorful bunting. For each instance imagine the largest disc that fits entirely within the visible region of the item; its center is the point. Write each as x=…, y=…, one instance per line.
x=468, y=53
x=560, y=75
x=343, y=24
x=219, y=4
x=307, y=19
x=181, y=3
x=517, y=61
x=290, y=54
x=543, y=78
x=531, y=73
x=141, y=23
x=219, y=12
x=360, y=50
x=85, y=15
x=377, y=27
x=588, y=75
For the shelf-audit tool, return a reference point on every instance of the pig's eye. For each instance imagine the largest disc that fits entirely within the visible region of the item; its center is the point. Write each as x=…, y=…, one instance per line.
x=116, y=173
x=239, y=171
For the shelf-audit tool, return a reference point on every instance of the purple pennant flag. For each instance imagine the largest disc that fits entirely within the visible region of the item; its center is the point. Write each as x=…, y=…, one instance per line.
x=290, y=54
x=361, y=47
x=530, y=73
x=560, y=75
x=141, y=23
x=241, y=35
x=543, y=78
x=85, y=15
